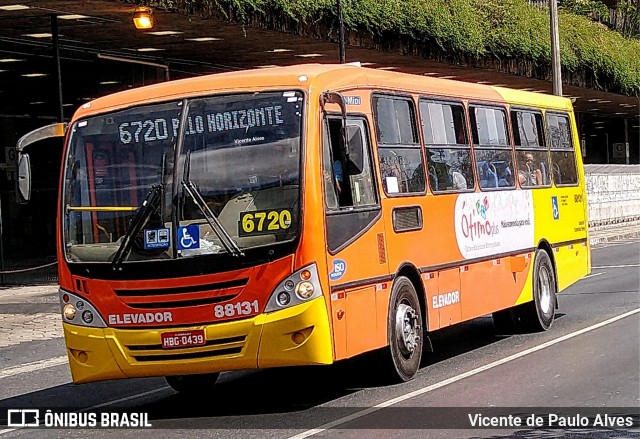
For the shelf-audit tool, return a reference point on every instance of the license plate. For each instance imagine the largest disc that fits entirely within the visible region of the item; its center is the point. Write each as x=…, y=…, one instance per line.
x=181, y=339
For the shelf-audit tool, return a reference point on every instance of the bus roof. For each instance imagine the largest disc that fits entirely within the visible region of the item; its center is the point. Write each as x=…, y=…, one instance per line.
x=335, y=77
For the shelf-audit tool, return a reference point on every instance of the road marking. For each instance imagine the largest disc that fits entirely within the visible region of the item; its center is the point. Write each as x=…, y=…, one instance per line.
x=127, y=398
x=593, y=275
x=451, y=380
x=615, y=266
x=32, y=367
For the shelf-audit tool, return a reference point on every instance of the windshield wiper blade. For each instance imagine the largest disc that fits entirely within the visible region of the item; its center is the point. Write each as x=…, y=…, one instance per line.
x=226, y=239
x=137, y=223
x=222, y=234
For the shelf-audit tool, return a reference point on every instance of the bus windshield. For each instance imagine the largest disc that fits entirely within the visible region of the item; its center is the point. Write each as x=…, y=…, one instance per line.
x=133, y=192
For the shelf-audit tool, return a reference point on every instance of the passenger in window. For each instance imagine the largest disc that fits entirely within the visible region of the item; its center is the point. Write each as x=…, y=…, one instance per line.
x=458, y=179
x=338, y=168
x=503, y=171
x=417, y=179
x=531, y=175
x=488, y=176
x=338, y=176
x=433, y=178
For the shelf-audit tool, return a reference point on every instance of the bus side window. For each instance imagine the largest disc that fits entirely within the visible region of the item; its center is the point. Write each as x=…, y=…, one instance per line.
x=447, y=146
x=532, y=155
x=331, y=169
x=348, y=182
x=399, y=153
x=563, y=158
x=494, y=157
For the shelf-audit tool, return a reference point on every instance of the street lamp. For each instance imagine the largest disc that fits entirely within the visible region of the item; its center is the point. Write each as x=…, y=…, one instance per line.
x=556, y=66
x=143, y=18
x=341, y=33
x=55, y=44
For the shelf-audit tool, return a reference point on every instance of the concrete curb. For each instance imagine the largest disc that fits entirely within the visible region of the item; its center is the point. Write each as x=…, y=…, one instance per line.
x=611, y=236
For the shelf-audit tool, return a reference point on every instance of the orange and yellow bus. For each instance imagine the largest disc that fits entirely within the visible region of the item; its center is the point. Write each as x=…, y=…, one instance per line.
x=305, y=215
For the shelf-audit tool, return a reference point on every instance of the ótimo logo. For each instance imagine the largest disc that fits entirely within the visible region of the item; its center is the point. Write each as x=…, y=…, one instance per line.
x=483, y=207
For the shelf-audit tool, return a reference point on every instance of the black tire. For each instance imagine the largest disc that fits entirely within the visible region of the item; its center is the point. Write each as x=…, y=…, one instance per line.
x=192, y=383
x=404, y=331
x=538, y=315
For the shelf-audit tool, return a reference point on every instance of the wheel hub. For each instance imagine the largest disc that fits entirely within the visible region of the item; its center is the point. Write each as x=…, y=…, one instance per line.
x=544, y=282
x=407, y=329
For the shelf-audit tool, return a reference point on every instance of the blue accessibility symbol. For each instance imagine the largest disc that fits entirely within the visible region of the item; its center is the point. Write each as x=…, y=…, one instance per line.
x=189, y=237
x=554, y=205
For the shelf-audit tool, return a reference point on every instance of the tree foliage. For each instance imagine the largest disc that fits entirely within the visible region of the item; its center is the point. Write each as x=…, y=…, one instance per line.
x=623, y=16
x=589, y=8
x=469, y=29
x=626, y=17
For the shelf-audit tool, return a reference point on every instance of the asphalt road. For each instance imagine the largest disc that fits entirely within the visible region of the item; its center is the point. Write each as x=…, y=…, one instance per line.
x=587, y=365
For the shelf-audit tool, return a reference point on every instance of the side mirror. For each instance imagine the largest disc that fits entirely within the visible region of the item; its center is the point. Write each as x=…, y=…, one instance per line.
x=23, y=182
x=24, y=179
x=355, y=150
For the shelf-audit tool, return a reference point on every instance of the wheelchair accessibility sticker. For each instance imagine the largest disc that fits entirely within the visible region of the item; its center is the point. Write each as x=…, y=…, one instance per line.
x=189, y=237
x=156, y=238
x=554, y=205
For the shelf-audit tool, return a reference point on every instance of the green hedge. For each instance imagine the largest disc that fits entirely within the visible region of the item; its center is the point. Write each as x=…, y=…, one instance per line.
x=465, y=28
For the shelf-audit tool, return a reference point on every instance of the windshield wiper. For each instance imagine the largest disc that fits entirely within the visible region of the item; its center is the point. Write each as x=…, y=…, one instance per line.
x=224, y=237
x=150, y=203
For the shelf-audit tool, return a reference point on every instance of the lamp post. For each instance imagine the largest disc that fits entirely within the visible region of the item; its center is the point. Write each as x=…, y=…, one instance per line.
x=341, y=33
x=55, y=42
x=555, y=49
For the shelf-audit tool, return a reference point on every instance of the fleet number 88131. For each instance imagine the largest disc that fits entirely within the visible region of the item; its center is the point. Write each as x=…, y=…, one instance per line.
x=235, y=309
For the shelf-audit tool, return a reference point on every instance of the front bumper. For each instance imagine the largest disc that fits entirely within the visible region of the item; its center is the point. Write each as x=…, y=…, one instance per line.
x=299, y=335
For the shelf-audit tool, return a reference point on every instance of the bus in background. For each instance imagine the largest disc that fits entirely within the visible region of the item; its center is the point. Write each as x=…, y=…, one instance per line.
x=305, y=215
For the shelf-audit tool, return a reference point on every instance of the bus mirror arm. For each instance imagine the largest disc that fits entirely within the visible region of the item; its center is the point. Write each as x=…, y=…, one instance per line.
x=23, y=180
x=333, y=97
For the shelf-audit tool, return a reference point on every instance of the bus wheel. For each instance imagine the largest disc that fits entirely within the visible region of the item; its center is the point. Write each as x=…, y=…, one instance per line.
x=538, y=315
x=404, y=330
x=192, y=383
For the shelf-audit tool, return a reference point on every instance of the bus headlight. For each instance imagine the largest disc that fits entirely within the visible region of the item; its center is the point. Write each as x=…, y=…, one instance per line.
x=69, y=311
x=283, y=298
x=87, y=317
x=72, y=304
x=304, y=282
x=304, y=290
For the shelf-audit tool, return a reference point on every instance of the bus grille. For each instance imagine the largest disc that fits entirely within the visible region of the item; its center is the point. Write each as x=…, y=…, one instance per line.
x=182, y=303
x=213, y=348
x=183, y=296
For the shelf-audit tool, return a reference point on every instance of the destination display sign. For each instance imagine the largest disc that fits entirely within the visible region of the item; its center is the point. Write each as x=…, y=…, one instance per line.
x=150, y=130
x=226, y=118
